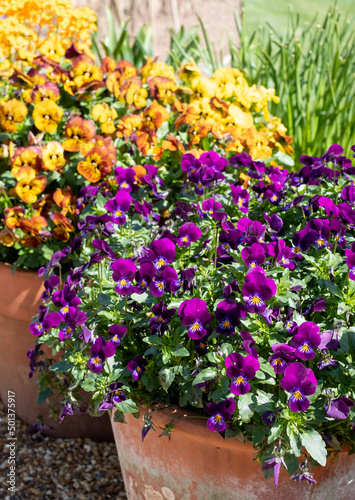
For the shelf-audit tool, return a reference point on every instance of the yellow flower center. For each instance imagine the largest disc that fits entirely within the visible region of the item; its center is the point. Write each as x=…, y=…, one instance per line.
x=160, y=285
x=226, y=324
x=159, y=319
x=161, y=262
x=196, y=327
x=47, y=117
x=118, y=213
x=256, y=300
x=305, y=348
x=123, y=283
x=240, y=202
x=185, y=239
x=97, y=361
x=218, y=418
x=143, y=284
x=240, y=380
x=296, y=250
x=278, y=361
x=274, y=198
x=297, y=395
x=320, y=241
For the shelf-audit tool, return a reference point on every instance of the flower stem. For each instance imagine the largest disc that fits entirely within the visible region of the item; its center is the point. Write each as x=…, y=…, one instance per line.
x=99, y=275
x=215, y=248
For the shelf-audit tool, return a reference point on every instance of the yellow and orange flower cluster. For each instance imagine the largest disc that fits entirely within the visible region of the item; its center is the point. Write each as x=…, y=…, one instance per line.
x=66, y=121
x=47, y=27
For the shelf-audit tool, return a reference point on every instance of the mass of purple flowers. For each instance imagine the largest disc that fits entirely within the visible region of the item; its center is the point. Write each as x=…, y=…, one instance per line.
x=232, y=292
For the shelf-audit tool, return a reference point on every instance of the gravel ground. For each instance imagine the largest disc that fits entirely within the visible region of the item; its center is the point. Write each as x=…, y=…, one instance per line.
x=60, y=469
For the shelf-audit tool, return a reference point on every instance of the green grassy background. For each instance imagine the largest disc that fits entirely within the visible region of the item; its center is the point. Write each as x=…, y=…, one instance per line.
x=275, y=12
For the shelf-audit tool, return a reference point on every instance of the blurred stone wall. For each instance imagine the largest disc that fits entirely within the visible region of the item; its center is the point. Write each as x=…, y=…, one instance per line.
x=217, y=16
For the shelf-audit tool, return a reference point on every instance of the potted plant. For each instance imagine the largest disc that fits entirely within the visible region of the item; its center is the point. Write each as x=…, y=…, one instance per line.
x=228, y=320
x=66, y=122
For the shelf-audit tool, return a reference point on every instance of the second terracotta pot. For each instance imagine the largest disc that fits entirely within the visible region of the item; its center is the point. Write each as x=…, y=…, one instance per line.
x=199, y=464
x=19, y=300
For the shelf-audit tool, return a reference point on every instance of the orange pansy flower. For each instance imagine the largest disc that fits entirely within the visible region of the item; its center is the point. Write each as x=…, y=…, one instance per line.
x=94, y=167
x=131, y=92
x=32, y=228
x=48, y=90
x=84, y=70
x=46, y=115
x=11, y=113
x=128, y=126
x=26, y=157
x=53, y=156
x=13, y=216
x=29, y=186
x=155, y=115
x=162, y=88
x=63, y=227
x=79, y=135
x=106, y=116
x=65, y=200
x=7, y=237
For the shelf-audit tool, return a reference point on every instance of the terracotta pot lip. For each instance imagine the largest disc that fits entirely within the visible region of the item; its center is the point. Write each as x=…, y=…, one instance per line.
x=20, y=270
x=196, y=427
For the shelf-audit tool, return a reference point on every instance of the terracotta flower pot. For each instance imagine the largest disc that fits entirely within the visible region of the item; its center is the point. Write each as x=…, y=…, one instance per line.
x=198, y=464
x=19, y=300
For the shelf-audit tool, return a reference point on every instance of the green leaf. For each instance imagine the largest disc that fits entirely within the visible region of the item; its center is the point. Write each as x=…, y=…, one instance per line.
x=103, y=299
x=166, y=376
x=295, y=441
x=285, y=159
x=180, y=351
x=276, y=431
x=43, y=395
x=334, y=290
x=246, y=406
x=315, y=445
x=119, y=417
x=127, y=406
x=205, y=375
x=62, y=366
x=139, y=297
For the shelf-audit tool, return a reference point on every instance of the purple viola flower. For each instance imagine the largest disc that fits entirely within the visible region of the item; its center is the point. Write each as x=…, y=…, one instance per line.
x=73, y=318
x=104, y=249
x=213, y=160
x=163, y=278
x=300, y=382
x=241, y=369
x=228, y=317
x=350, y=262
x=118, y=332
x=211, y=205
x=32, y=355
x=118, y=206
x=230, y=288
x=241, y=160
x=284, y=254
x=186, y=278
x=123, y=272
x=162, y=317
x=46, y=321
x=248, y=343
x=283, y=355
x=144, y=277
x=220, y=414
x=115, y=395
x=275, y=463
x=194, y=314
x=253, y=255
x=302, y=241
x=303, y=474
x=100, y=350
x=161, y=252
x=240, y=198
x=126, y=179
x=229, y=241
x=144, y=209
x=188, y=233
x=64, y=299
x=275, y=222
x=268, y=417
x=137, y=366
x=338, y=408
x=306, y=340
x=50, y=284
x=257, y=289
x=74, y=278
